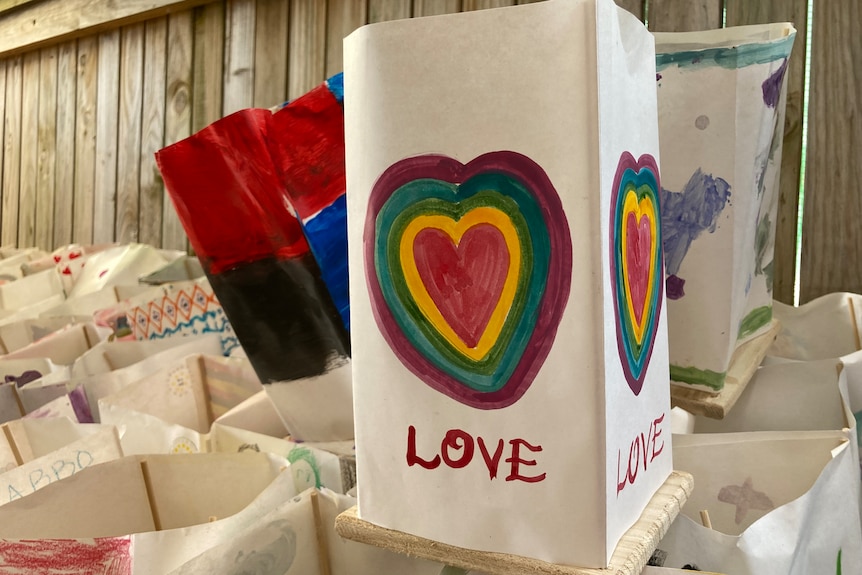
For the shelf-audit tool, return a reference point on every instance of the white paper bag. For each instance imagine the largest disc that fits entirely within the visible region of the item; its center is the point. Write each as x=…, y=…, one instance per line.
x=780, y=503
x=721, y=100
x=825, y=327
x=506, y=285
x=30, y=290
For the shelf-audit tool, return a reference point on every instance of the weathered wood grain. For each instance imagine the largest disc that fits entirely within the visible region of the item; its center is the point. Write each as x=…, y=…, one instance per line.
x=178, y=110
x=67, y=68
x=52, y=21
x=668, y=16
x=342, y=18
x=270, y=53
x=29, y=149
x=107, y=114
x=11, y=153
x=307, y=58
x=383, y=10
x=208, y=64
x=153, y=132
x=47, y=148
x=742, y=12
x=85, y=139
x=831, y=234
x=435, y=7
x=239, y=56
x=129, y=134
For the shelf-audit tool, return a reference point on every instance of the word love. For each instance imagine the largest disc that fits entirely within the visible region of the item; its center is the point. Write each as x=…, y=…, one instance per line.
x=457, y=450
x=642, y=451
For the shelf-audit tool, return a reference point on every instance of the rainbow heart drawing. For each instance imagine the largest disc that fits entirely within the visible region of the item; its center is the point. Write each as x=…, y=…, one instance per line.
x=469, y=269
x=637, y=277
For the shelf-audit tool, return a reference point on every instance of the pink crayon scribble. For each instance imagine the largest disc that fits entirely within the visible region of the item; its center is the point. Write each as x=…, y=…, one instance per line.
x=103, y=556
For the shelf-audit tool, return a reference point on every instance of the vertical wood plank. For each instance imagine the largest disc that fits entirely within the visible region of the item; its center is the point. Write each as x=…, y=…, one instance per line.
x=209, y=32
x=742, y=12
x=469, y=5
x=342, y=18
x=65, y=143
x=307, y=66
x=85, y=139
x=270, y=53
x=2, y=138
x=636, y=7
x=153, y=132
x=831, y=234
x=47, y=146
x=11, y=153
x=129, y=133
x=676, y=16
x=435, y=7
x=528, y=1
x=239, y=56
x=383, y=10
x=178, y=111
x=107, y=114
x=29, y=150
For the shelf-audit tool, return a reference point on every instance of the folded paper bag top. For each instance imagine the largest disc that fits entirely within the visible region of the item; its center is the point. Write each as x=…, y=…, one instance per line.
x=506, y=278
x=232, y=204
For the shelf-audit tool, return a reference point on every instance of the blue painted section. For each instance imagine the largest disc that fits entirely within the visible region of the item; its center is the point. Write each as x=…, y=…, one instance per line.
x=326, y=232
x=336, y=86
x=732, y=58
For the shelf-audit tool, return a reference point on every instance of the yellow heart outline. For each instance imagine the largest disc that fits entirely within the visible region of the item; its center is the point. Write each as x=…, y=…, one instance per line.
x=644, y=207
x=456, y=230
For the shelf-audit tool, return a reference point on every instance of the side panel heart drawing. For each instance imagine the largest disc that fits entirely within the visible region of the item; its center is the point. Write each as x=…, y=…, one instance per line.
x=469, y=270
x=637, y=277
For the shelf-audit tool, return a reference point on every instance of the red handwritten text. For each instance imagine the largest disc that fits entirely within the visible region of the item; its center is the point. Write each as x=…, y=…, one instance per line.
x=643, y=451
x=458, y=448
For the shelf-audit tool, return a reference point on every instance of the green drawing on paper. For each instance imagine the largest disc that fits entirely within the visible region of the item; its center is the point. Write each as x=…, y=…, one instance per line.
x=730, y=58
x=756, y=319
x=696, y=376
x=838, y=569
x=303, y=465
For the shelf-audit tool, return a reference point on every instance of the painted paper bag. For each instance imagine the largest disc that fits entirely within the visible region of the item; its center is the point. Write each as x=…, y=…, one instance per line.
x=120, y=265
x=45, y=451
x=721, y=101
x=17, y=334
x=31, y=290
x=780, y=503
x=823, y=328
x=232, y=203
x=171, y=410
x=188, y=308
x=506, y=287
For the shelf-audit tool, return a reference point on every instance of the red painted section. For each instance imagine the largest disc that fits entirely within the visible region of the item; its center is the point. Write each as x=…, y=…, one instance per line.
x=307, y=144
x=638, y=249
x=104, y=556
x=228, y=193
x=465, y=281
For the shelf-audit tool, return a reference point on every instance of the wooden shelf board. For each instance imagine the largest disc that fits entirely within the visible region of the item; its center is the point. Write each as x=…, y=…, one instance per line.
x=745, y=361
x=629, y=558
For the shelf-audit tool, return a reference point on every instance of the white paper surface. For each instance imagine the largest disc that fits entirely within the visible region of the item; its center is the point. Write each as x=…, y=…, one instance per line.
x=492, y=86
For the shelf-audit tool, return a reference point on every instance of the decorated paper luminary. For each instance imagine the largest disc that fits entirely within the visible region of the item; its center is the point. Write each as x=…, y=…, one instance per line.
x=509, y=351
x=721, y=97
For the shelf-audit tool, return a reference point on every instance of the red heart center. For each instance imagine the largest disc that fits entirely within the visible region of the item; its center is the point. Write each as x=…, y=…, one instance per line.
x=638, y=250
x=464, y=281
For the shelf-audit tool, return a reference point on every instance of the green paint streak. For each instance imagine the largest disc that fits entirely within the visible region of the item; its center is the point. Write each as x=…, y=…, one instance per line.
x=305, y=454
x=838, y=570
x=696, y=376
x=755, y=320
x=730, y=58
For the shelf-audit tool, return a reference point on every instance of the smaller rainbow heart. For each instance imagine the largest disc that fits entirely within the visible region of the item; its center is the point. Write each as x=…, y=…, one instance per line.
x=636, y=263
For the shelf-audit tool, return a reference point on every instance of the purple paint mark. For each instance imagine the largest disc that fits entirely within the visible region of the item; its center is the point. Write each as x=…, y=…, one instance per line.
x=657, y=77
x=81, y=405
x=772, y=86
x=685, y=215
x=674, y=287
x=24, y=378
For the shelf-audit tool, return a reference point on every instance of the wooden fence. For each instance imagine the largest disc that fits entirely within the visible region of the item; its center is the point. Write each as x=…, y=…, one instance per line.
x=90, y=89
